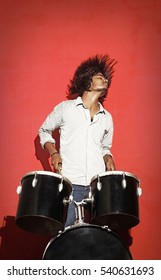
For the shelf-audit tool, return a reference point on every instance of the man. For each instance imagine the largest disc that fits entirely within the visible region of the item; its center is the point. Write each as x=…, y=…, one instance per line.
x=86, y=128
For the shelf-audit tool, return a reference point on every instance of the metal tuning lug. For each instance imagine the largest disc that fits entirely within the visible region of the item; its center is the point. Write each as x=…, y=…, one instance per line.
x=99, y=184
x=34, y=181
x=139, y=190
x=90, y=194
x=19, y=189
x=61, y=185
x=124, y=181
x=68, y=201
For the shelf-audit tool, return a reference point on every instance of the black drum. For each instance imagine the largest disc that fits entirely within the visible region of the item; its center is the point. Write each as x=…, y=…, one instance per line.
x=42, y=207
x=115, y=195
x=86, y=242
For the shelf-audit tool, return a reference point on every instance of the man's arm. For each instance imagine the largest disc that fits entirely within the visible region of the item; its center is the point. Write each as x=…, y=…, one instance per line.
x=56, y=160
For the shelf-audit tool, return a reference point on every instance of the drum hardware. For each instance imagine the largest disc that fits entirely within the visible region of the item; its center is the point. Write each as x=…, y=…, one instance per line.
x=124, y=181
x=139, y=191
x=99, y=185
x=68, y=201
x=34, y=181
x=19, y=189
x=79, y=209
x=79, y=206
x=90, y=194
x=106, y=227
x=61, y=185
x=88, y=200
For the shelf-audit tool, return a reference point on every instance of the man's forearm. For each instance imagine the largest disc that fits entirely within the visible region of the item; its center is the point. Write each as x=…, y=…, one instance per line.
x=50, y=147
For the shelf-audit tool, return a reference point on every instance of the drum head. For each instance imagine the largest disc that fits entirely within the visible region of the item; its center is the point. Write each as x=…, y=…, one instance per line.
x=87, y=242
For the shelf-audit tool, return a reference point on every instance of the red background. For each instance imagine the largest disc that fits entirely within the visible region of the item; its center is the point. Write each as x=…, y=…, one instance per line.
x=41, y=44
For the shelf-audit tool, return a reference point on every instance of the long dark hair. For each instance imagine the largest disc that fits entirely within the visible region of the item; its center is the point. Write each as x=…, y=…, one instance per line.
x=86, y=70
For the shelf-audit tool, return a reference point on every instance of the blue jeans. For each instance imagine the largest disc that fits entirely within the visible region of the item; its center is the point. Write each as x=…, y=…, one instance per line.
x=79, y=193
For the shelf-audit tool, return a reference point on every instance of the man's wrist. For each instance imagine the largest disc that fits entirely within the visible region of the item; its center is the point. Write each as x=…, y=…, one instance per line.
x=54, y=154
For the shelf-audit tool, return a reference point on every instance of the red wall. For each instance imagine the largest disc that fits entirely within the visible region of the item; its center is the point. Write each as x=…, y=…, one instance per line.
x=41, y=43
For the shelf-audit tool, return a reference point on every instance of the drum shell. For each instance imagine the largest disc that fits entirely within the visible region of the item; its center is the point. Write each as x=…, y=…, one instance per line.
x=86, y=242
x=115, y=205
x=41, y=208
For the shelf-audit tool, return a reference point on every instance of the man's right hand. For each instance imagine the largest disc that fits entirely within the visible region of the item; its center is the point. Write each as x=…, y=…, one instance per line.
x=56, y=162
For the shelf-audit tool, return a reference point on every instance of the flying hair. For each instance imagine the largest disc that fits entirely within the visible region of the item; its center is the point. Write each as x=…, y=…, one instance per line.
x=86, y=70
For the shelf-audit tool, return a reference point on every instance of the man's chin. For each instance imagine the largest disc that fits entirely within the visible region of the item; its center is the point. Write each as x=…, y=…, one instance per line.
x=101, y=89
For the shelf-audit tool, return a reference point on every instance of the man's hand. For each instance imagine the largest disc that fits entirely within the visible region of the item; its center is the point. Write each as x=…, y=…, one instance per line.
x=56, y=162
x=109, y=163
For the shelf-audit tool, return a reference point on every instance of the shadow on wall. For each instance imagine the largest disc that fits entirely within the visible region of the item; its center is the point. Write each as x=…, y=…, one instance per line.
x=42, y=155
x=17, y=244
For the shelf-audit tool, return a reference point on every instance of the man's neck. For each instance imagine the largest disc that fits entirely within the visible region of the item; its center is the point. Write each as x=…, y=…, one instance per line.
x=90, y=100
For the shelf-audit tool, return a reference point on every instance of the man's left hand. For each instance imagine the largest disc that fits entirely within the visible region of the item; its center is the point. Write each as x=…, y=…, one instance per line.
x=109, y=163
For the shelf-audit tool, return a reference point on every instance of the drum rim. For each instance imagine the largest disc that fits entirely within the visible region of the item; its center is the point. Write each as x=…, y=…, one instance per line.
x=73, y=227
x=115, y=172
x=49, y=173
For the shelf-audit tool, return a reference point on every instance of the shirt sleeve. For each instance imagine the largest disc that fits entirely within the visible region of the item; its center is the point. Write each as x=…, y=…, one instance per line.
x=108, y=137
x=53, y=121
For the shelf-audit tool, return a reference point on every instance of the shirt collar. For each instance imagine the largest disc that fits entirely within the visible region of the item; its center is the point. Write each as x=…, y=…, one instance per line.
x=79, y=101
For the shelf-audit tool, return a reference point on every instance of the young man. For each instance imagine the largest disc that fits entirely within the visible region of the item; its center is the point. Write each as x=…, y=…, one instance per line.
x=86, y=128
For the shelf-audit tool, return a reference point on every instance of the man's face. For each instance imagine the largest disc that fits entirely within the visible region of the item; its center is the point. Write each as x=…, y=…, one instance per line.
x=99, y=83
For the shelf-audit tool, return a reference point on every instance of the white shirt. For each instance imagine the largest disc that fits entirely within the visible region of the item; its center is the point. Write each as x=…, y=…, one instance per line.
x=83, y=142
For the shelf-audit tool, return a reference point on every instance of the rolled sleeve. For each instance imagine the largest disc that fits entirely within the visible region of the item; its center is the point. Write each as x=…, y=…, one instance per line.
x=107, y=139
x=52, y=122
x=45, y=136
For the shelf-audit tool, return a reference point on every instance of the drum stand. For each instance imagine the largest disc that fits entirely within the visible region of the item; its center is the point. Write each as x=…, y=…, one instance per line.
x=79, y=209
